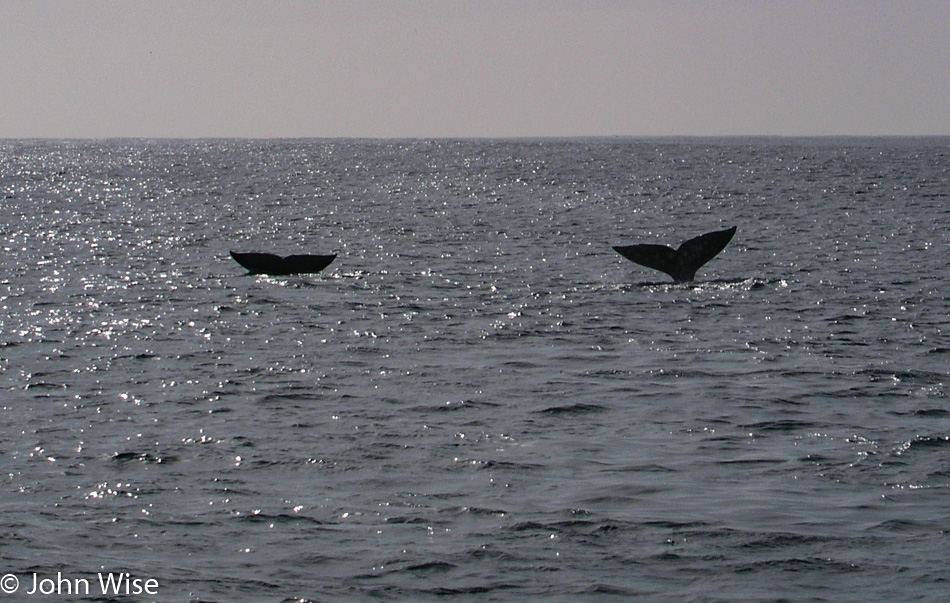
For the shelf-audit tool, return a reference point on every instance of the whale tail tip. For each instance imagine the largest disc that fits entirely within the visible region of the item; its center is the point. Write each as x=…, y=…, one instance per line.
x=275, y=265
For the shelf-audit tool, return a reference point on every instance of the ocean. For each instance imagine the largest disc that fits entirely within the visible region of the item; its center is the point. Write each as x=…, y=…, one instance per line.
x=479, y=399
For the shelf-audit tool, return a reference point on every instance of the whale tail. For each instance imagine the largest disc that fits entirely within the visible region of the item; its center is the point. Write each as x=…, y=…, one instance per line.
x=275, y=265
x=681, y=263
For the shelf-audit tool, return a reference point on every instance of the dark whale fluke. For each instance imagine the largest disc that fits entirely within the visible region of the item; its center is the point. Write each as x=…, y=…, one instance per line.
x=681, y=263
x=275, y=265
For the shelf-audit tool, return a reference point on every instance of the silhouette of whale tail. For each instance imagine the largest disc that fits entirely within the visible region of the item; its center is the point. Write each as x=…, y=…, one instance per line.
x=681, y=263
x=275, y=265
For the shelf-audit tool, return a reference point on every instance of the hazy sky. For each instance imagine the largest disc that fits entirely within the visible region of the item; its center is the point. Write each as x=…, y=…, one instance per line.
x=287, y=68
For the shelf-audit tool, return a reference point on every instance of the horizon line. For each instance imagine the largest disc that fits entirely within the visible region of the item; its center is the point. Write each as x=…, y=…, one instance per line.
x=478, y=137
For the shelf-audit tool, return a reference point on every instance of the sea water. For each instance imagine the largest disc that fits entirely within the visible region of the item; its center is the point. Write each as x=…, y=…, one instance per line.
x=479, y=398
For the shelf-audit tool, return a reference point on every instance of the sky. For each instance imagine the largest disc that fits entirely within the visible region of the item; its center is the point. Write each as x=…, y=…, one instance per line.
x=486, y=68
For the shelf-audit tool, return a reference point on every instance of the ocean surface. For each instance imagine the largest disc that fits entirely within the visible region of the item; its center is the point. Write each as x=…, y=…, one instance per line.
x=479, y=400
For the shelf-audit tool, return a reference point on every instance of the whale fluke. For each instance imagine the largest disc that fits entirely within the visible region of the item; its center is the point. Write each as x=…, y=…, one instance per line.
x=681, y=263
x=275, y=265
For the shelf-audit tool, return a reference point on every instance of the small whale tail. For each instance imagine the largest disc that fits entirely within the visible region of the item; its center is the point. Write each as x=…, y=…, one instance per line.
x=275, y=265
x=683, y=262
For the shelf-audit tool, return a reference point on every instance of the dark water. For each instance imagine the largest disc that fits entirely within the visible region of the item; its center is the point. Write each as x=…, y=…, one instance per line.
x=479, y=399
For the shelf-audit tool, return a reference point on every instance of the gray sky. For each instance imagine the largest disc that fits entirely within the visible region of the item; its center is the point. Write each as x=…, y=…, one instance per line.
x=287, y=68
